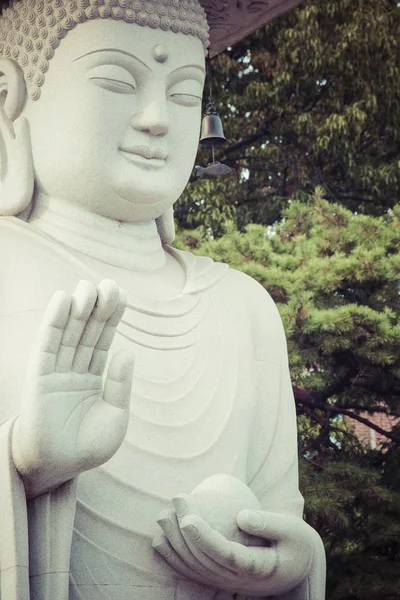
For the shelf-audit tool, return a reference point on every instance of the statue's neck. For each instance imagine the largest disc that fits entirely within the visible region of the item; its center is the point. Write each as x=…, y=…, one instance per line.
x=130, y=246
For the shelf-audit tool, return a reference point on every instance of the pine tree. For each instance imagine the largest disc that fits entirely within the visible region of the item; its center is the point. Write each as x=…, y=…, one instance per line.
x=311, y=110
x=334, y=276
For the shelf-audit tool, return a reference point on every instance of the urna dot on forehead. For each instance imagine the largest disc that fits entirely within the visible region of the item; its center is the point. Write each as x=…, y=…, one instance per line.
x=160, y=53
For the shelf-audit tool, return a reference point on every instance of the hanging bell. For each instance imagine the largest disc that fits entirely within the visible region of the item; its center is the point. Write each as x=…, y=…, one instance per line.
x=212, y=133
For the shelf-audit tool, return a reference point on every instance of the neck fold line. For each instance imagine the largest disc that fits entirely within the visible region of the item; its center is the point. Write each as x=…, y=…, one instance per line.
x=130, y=246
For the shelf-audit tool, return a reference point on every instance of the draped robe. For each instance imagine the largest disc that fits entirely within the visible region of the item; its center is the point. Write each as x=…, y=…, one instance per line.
x=211, y=394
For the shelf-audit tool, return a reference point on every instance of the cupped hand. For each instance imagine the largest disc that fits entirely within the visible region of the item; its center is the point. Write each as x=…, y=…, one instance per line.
x=203, y=554
x=70, y=420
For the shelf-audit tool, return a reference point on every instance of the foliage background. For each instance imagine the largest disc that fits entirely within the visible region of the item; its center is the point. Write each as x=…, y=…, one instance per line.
x=311, y=110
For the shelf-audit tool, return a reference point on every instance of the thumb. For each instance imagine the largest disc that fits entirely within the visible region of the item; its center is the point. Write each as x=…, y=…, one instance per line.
x=269, y=525
x=117, y=387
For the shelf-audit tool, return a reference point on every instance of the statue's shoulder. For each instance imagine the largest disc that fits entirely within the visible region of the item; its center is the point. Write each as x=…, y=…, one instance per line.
x=19, y=237
x=202, y=273
x=32, y=267
x=251, y=291
x=244, y=297
x=251, y=299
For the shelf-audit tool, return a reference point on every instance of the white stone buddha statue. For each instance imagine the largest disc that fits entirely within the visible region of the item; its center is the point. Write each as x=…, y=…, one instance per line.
x=116, y=404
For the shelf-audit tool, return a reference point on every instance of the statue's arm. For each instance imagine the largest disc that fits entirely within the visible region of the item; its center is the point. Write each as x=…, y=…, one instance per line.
x=292, y=565
x=35, y=539
x=14, y=558
x=273, y=465
x=70, y=421
x=274, y=472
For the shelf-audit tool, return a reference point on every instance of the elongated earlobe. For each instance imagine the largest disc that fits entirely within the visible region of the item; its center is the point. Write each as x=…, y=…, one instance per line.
x=16, y=164
x=14, y=86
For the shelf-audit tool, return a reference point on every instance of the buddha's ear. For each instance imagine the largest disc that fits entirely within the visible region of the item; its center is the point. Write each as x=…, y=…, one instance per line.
x=12, y=88
x=16, y=164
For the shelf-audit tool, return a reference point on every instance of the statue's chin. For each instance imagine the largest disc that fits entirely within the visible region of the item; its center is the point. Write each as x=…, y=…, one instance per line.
x=143, y=195
x=139, y=205
x=147, y=199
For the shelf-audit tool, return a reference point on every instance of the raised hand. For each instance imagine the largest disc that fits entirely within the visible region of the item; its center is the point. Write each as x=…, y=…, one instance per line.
x=200, y=553
x=70, y=421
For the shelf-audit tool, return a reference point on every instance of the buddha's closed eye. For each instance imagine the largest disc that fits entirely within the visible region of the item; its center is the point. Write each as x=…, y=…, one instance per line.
x=185, y=99
x=114, y=85
x=187, y=92
x=113, y=78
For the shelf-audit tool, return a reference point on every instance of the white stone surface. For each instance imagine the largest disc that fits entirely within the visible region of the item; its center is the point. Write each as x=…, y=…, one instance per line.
x=196, y=382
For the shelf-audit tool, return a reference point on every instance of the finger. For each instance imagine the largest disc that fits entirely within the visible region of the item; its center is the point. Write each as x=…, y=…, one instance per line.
x=117, y=387
x=51, y=331
x=107, y=299
x=164, y=548
x=108, y=294
x=232, y=558
x=82, y=304
x=83, y=301
x=269, y=525
x=185, y=508
x=211, y=548
x=98, y=362
x=112, y=323
x=100, y=352
x=183, y=504
x=170, y=526
x=57, y=312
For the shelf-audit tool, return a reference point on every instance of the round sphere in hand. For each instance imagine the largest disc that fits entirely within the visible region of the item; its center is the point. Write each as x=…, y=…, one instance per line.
x=218, y=500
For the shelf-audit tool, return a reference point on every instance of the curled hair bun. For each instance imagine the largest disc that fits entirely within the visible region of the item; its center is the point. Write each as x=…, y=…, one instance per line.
x=32, y=29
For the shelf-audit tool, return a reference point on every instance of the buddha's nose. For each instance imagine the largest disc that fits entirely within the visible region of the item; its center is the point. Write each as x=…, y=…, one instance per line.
x=152, y=119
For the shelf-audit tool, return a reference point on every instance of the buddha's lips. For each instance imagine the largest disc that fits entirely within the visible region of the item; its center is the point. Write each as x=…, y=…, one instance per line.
x=145, y=152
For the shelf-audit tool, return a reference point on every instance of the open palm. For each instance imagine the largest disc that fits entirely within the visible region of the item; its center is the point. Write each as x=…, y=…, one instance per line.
x=70, y=420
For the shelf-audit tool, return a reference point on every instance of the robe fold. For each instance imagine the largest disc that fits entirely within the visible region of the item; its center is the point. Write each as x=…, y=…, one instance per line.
x=225, y=406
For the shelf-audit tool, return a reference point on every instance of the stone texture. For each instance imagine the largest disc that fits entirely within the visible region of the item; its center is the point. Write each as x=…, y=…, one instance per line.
x=132, y=372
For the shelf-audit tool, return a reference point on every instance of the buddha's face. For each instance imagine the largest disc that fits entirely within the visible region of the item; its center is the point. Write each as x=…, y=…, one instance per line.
x=117, y=125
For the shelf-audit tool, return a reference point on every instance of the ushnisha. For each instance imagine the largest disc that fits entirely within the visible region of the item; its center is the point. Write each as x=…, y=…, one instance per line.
x=117, y=405
x=31, y=30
